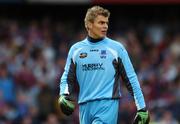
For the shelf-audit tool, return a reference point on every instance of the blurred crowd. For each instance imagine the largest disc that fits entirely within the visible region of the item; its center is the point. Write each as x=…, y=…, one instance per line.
x=33, y=54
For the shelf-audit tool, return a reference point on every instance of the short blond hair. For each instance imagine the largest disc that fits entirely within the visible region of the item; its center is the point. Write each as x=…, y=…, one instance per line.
x=93, y=12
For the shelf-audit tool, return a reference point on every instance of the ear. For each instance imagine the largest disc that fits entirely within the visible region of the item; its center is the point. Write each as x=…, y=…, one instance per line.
x=89, y=25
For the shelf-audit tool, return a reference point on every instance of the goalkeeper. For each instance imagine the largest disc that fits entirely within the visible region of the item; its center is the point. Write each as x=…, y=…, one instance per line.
x=96, y=64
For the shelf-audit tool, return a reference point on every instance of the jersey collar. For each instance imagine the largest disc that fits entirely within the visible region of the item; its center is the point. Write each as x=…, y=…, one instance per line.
x=92, y=40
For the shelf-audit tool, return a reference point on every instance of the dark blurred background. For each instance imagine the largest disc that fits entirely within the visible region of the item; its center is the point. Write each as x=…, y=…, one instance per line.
x=35, y=36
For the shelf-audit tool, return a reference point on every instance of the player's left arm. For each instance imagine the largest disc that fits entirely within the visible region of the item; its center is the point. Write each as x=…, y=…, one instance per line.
x=130, y=78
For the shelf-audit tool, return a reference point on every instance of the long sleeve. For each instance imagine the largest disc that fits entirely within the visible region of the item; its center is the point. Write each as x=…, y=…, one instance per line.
x=130, y=78
x=69, y=76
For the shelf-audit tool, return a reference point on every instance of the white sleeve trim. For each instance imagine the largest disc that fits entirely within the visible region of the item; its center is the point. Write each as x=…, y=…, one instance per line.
x=114, y=53
x=75, y=54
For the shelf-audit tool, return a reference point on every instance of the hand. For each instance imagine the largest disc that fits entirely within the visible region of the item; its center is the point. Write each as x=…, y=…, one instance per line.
x=142, y=117
x=66, y=104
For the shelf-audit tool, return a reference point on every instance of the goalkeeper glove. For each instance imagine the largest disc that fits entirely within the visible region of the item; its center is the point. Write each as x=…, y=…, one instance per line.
x=66, y=104
x=142, y=117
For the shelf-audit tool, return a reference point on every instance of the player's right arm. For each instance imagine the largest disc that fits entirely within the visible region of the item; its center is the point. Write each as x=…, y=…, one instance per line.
x=66, y=84
x=66, y=104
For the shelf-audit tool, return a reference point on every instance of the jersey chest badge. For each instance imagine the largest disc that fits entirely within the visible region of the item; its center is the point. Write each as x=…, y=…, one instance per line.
x=83, y=55
x=103, y=54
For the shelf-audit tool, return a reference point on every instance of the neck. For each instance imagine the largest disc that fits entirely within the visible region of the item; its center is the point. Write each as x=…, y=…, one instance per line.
x=93, y=40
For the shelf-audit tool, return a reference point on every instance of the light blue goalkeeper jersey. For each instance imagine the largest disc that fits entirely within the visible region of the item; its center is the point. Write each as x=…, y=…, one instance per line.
x=97, y=68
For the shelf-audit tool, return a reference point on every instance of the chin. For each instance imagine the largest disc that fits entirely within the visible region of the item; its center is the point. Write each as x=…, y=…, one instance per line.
x=102, y=36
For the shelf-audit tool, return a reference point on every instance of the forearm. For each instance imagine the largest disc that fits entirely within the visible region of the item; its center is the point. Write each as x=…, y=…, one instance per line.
x=137, y=93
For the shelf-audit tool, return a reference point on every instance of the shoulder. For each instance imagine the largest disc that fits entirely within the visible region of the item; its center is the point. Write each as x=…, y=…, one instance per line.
x=78, y=45
x=115, y=43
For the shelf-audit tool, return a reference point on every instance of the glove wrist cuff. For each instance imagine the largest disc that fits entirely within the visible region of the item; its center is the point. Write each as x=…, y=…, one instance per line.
x=143, y=110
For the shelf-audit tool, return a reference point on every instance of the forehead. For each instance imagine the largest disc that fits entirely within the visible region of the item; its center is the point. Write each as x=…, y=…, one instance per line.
x=101, y=18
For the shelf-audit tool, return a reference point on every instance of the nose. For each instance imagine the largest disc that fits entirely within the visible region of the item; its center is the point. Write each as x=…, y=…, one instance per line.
x=105, y=25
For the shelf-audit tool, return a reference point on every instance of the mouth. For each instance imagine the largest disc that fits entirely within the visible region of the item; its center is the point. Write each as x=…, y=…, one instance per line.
x=104, y=32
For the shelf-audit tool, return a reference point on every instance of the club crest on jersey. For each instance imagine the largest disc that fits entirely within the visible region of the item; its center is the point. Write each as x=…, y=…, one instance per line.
x=83, y=55
x=103, y=54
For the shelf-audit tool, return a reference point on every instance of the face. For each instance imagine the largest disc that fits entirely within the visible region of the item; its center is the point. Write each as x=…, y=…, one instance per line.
x=98, y=29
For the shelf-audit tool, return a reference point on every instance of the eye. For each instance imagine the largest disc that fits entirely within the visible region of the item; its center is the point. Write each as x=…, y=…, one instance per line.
x=101, y=22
